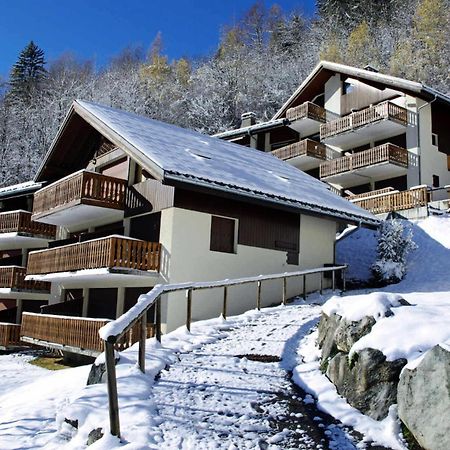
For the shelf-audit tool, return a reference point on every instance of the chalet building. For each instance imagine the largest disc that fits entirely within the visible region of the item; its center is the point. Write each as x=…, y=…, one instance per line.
x=382, y=142
x=18, y=236
x=135, y=202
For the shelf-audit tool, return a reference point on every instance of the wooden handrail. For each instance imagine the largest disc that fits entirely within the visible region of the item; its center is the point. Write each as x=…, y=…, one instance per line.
x=370, y=193
x=75, y=332
x=9, y=335
x=81, y=186
x=307, y=110
x=113, y=331
x=382, y=153
x=20, y=222
x=108, y=252
x=13, y=277
x=395, y=201
x=306, y=147
x=382, y=111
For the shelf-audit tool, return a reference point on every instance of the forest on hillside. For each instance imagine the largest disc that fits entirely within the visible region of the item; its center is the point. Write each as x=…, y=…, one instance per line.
x=259, y=62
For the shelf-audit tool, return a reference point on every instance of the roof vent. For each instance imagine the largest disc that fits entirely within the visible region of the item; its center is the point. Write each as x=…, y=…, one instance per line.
x=371, y=68
x=248, y=119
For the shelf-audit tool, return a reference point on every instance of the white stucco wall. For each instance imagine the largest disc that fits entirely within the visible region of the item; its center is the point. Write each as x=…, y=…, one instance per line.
x=185, y=237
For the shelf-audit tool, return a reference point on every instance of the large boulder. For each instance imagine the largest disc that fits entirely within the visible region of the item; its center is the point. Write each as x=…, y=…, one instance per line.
x=367, y=381
x=424, y=399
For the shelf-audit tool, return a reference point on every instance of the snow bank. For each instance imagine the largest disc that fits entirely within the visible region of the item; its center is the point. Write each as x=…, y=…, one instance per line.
x=355, y=307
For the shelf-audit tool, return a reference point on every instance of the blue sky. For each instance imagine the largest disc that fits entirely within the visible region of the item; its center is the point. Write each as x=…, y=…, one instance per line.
x=99, y=29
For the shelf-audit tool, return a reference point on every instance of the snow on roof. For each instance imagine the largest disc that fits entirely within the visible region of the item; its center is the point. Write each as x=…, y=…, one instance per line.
x=388, y=80
x=190, y=157
x=18, y=188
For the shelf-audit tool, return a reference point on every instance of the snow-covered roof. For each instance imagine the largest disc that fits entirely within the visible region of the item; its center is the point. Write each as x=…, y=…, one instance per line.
x=176, y=154
x=16, y=189
x=369, y=75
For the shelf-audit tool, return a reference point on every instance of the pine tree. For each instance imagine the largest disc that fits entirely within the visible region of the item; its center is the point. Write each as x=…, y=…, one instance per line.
x=28, y=72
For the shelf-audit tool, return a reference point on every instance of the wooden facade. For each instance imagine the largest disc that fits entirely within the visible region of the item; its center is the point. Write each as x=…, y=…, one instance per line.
x=9, y=335
x=13, y=277
x=386, y=153
x=305, y=147
x=83, y=187
x=20, y=222
x=76, y=334
x=376, y=113
x=109, y=252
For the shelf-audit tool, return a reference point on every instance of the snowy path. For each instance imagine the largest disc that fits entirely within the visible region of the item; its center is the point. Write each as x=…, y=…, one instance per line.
x=220, y=396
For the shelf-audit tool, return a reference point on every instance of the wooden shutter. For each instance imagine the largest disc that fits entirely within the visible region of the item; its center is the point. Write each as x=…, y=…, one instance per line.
x=222, y=234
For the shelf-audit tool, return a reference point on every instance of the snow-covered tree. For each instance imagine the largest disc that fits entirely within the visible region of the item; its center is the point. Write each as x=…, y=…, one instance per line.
x=395, y=241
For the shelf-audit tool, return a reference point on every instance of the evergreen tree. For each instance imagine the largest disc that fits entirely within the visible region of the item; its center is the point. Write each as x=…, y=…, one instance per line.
x=28, y=72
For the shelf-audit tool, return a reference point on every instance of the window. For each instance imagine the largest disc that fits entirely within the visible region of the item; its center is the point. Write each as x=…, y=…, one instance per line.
x=434, y=139
x=222, y=234
x=347, y=88
x=435, y=181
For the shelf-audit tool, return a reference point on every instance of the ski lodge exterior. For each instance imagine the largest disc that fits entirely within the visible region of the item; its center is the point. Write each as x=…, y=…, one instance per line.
x=380, y=141
x=122, y=202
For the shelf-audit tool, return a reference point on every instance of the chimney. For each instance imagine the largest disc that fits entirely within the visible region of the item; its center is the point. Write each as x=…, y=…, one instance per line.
x=248, y=119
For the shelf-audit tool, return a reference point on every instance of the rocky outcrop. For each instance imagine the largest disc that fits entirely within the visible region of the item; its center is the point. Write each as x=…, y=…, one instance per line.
x=368, y=381
x=424, y=399
x=97, y=374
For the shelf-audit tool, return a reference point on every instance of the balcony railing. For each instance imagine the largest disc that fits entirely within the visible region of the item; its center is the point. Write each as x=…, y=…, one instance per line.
x=382, y=111
x=394, y=201
x=306, y=147
x=373, y=193
x=386, y=153
x=108, y=252
x=82, y=187
x=13, y=277
x=20, y=222
x=307, y=110
x=77, y=333
x=9, y=335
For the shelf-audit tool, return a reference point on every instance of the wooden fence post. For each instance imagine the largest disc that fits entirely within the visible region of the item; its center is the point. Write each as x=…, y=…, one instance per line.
x=189, y=309
x=258, y=295
x=158, y=318
x=284, y=291
x=321, y=283
x=343, y=280
x=142, y=339
x=304, y=287
x=225, y=300
x=333, y=282
x=112, y=389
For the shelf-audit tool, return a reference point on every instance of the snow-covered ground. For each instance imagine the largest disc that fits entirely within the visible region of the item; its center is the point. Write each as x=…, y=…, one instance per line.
x=211, y=393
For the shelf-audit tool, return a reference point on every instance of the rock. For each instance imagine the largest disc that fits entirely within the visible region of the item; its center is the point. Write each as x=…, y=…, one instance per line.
x=97, y=374
x=327, y=330
x=369, y=382
x=94, y=436
x=424, y=399
x=347, y=333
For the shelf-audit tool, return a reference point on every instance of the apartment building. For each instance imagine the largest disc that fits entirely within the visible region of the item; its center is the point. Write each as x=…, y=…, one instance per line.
x=136, y=202
x=381, y=141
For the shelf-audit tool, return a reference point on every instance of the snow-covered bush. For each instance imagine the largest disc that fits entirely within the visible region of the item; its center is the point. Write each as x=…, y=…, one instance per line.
x=395, y=241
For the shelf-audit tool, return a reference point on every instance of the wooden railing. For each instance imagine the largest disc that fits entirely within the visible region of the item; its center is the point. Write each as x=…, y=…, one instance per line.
x=9, y=335
x=108, y=252
x=82, y=187
x=113, y=332
x=79, y=334
x=306, y=147
x=382, y=111
x=395, y=201
x=373, y=193
x=20, y=222
x=383, y=153
x=13, y=277
x=307, y=110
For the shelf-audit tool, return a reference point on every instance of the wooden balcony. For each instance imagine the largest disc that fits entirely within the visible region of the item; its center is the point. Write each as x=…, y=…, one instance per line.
x=306, y=118
x=393, y=201
x=79, y=198
x=73, y=334
x=9, y=336
x=304, y=155
x=13, y=278
x=378, y=163
x=112, y=252
x=17, y=230
x=374, y=123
